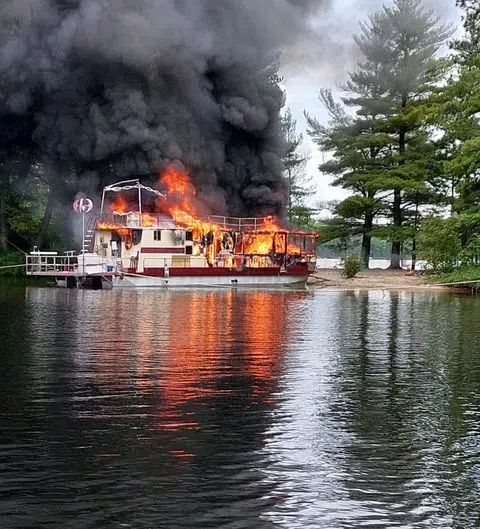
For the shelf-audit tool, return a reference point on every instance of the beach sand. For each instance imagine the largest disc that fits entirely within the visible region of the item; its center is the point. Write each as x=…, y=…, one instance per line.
x=376, y=278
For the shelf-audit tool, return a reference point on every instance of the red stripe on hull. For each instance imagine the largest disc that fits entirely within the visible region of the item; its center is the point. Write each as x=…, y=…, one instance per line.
x=204, y=272
x=175, y=250
x=297, y=270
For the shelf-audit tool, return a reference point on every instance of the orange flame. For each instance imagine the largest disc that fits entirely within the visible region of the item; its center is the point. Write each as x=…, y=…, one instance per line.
x=120, y=205
x=177, y=181
x=182, y=204
x=258, y=245
x=149, y=221
x=108, y=226
x=293, y=249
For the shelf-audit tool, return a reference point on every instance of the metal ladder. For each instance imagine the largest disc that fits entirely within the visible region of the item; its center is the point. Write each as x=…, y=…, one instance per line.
x=88, y=236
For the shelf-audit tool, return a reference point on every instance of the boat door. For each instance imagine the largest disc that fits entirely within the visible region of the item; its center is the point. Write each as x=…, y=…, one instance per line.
x=116, y=245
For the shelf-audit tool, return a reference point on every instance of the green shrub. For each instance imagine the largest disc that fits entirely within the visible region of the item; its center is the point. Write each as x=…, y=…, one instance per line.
x=461, y=274
x=351, y=265
x=438, y=243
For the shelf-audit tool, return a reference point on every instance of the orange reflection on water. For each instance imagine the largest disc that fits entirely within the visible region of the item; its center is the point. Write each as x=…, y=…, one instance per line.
x=222, y=336
x=176, y=348
x=196, y=321
x=131, y=352
x=264, y=338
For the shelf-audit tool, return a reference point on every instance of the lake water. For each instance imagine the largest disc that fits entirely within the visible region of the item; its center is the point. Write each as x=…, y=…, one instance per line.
x=209, y=409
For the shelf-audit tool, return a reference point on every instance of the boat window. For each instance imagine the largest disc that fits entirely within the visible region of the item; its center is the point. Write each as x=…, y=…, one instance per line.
x=189, y=236
x=189, y=250
x=157, y=235
x=136, y=236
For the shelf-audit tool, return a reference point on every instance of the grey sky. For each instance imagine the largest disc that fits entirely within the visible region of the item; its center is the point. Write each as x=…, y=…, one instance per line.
x=324, y=60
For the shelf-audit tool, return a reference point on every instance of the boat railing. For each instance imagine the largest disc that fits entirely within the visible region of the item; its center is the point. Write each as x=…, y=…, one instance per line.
x=145, y=220
x=135, y=220
x=159, y=262
x=49, y=262
x=239, y=223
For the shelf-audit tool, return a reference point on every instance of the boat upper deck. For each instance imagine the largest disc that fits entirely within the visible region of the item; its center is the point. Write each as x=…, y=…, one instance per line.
x=137, y=220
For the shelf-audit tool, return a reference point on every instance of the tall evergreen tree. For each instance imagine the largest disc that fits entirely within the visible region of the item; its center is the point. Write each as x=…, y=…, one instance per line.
x=358, y=151
x=455, y=241
x=383, y=154
x=460, y=117
x=415, y=36
x=299, y=182
x=469, y=46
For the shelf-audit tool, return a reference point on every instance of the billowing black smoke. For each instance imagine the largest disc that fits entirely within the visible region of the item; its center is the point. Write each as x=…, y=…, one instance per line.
x=109, y=89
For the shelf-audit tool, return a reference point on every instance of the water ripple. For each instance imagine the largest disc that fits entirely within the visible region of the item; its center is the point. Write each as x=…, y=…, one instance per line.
x=236, y=409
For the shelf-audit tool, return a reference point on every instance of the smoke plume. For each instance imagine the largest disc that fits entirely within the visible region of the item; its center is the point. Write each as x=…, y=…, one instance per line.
x=119, y=88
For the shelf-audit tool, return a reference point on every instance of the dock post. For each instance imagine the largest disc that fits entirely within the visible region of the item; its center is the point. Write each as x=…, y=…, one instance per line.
x=83, y=241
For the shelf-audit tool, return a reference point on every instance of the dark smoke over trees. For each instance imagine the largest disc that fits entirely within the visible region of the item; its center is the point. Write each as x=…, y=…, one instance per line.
x=98, y=90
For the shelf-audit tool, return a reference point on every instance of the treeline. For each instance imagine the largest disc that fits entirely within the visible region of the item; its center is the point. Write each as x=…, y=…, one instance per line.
x=404, y=140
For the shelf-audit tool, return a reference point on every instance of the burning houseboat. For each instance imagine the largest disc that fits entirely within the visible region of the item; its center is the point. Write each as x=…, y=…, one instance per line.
x=163, y=241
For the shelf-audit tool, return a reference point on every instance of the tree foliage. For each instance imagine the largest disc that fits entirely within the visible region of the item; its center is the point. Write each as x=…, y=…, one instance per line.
x=448, y=243
x=438, y=244
x=24, y=196
x=384, y=153
x=295, y=166
x=459, y=113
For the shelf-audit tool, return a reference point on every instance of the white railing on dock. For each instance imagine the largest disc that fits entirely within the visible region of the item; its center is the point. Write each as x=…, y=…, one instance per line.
x=51, y=264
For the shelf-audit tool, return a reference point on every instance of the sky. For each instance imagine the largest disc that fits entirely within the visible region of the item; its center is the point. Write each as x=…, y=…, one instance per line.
x=324, y=62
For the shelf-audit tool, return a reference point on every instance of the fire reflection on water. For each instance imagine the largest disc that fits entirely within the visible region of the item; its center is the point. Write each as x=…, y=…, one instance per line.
x=180, y=363
x=217, y=344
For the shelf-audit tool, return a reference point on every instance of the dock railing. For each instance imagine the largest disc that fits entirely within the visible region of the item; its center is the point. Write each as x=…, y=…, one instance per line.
x=45, y=264
x=50, y=264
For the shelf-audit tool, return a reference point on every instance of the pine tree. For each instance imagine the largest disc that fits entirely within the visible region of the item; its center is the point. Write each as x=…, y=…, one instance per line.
x=415, y=36
x=459, y=119
x=469, y=47
x=299, y=182
x=384, y=154
x=358, y=155
x=450, y=242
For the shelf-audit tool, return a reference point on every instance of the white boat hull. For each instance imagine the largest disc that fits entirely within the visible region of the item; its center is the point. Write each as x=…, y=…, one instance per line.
x=138, y=281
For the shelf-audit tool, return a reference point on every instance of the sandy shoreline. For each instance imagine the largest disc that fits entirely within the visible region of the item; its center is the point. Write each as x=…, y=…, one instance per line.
x=376, y=278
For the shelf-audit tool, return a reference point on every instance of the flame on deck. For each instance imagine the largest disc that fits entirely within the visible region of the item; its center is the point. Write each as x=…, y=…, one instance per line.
x=182, y=204
x=267, y=238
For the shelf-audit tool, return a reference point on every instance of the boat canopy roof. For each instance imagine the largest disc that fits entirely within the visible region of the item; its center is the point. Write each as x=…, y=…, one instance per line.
x=127, y=185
